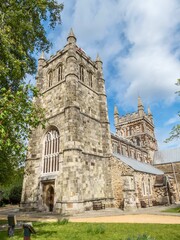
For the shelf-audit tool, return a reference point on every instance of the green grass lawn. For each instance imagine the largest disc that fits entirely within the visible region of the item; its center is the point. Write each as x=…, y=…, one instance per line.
x=98, y=231
x=173, y=210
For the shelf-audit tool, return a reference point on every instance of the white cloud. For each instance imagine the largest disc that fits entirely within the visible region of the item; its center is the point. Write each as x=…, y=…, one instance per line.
x=150, y=73
x=151, y=67
x=172, y=120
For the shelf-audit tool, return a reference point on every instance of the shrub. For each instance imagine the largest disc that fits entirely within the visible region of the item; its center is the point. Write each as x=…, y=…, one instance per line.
x=96, y=229
x=4, y=196
x=63, y=221
x=15, y=194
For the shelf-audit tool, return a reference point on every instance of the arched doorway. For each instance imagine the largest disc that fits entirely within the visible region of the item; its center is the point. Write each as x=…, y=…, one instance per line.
x=50, y=198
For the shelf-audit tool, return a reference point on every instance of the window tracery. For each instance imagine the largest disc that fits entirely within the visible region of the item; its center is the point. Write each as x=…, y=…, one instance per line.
x=51, y=152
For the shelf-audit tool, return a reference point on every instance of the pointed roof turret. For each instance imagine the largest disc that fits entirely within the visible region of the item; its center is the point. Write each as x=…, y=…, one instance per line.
x=42, y=55
x=140, y=102
x=140, y=107
x=41, y=61
x=116, y=115
x=149, y=111
x=116, y=110
x=98, y=58
x=71, y=37
x=150, y=115
x=99, y=64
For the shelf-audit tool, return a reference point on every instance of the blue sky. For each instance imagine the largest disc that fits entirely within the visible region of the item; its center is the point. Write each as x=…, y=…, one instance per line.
x=139, y=44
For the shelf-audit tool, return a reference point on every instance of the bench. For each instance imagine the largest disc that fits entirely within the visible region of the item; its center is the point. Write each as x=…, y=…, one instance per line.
x=97, y=205
x=143, y=204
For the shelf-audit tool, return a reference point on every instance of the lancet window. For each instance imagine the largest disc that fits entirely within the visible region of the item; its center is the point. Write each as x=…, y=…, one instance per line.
x=90, y=79
x=149, y=186
x=81, y=73
x=59, y=71
x=50, y=78
x=51, y=152
x=143, y=187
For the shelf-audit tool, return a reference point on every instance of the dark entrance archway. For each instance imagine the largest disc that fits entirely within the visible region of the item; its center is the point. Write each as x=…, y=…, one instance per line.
x=48, y=195
x=50, y=198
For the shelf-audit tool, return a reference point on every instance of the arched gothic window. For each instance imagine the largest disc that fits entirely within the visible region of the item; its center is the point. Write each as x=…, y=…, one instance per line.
x=81, y=73
x=143, y=187
x=149, y=186
x=50, y=77
x=90, y=79
x=138, y=141
x=51, y=152
x=59, y=71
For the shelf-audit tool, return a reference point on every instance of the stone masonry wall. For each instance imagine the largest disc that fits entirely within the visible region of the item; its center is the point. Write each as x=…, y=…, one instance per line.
x=118, y=169
x=173, y=171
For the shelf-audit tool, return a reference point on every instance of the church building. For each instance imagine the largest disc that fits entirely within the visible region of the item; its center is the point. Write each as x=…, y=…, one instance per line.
x=76, y=160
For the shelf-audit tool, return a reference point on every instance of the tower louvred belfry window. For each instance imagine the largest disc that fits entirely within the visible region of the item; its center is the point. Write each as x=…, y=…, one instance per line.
x=90, y=79
x=81, y=73
x=59, y=69
x=50, y=76
x=51, y=152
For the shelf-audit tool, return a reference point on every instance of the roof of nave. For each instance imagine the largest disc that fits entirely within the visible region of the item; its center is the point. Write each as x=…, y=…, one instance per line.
x=137, y=165
x=167, y=156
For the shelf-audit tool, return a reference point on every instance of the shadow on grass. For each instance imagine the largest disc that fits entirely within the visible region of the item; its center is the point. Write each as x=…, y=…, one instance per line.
x=46, y=234
x=4, y=234
x=4, y=237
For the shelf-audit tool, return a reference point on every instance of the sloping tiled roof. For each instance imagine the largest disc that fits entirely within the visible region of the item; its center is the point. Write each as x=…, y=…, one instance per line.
x=167, y=156
x=138, y=166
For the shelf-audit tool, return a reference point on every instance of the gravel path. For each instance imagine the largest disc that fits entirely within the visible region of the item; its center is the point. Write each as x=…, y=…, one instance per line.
x=109, y=215
x=140, y=218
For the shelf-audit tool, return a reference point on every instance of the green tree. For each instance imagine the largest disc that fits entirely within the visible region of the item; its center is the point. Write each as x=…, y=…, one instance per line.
x=22, y=33
x=175, y=132
x=7, y=189
x=18, y=114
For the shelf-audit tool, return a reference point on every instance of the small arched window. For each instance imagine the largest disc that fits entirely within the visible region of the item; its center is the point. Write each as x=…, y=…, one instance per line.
x=81, y=69
x=59, y=72
x=51, y=152
x=143, y=187
x=50, y=78
x=90, y=76
x=149, y=186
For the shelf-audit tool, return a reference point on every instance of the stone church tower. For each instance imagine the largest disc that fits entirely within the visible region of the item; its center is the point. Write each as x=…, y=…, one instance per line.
x=137, y=127
x=67, y=165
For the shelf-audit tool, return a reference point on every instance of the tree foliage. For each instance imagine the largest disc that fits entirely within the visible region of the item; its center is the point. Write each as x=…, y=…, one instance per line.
x=22, y=33
x=6, y=190
x=15, y=195
x=18, y=114
x=175, y=132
